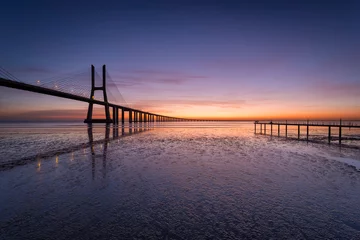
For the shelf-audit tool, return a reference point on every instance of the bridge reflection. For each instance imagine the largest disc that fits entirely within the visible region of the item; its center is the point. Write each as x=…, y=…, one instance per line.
x=132, y=129
x=118, y=132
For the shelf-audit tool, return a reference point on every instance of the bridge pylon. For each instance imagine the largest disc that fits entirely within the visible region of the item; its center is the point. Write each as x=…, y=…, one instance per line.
x=89, y=118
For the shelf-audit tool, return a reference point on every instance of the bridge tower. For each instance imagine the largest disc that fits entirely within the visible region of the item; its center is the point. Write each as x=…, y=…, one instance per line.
x=89, y=118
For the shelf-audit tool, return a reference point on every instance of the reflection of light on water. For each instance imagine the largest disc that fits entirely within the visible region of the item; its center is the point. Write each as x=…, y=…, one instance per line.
x=57, y=160
x=72, y=156
x=38, y=165
x=101, y=146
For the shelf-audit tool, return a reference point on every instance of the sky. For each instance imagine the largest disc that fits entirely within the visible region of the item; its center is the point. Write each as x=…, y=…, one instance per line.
x=235, y=60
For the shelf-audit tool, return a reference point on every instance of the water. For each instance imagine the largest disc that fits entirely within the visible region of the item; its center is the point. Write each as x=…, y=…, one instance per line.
x=174, y=181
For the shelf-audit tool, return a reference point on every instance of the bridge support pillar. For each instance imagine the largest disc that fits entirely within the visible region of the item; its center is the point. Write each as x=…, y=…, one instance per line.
x=117, y=116
x=122, y=116
x=114, y=115
x=130, y=116
x=89, y=118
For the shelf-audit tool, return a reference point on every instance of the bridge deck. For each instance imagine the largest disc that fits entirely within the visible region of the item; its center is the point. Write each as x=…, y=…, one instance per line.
x=52, y=92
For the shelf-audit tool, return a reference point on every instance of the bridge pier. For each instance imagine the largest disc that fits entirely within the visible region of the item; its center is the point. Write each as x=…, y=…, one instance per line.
x=113, y=115
x=122, y=116
x=117, y=116
x=89, y=118
x=130, y=116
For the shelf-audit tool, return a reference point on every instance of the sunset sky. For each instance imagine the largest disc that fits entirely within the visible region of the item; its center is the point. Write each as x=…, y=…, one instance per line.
x=200, y=59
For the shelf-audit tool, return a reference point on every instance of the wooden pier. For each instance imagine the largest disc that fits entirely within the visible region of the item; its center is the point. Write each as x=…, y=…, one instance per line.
x=326, y=124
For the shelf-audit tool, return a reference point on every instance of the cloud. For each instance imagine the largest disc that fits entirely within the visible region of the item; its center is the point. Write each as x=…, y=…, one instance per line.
x=335, y=89
x=53, y=114
x=141, y=77
x=34, y=69
x=149, y=104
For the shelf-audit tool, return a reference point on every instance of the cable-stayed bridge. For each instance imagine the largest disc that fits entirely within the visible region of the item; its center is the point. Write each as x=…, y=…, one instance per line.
x=67, y=87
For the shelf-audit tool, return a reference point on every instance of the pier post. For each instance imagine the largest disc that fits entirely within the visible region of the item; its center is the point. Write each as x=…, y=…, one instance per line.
x=340, y=133
x=286, y=129
x=329, y=138
x=278, y=130
x=298, y=131
x=255, y=127
x=114, y=117
x=265, y=128
x=260, y=128
x=271, y=128
x=307, y=130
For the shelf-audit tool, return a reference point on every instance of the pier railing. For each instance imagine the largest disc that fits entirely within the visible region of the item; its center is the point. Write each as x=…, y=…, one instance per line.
x=326, y=124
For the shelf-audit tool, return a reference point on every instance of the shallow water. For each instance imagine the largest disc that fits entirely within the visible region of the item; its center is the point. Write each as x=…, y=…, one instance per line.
x=174, y=181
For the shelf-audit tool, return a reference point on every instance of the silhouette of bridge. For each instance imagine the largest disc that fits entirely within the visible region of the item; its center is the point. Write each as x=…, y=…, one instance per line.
x=134, y=115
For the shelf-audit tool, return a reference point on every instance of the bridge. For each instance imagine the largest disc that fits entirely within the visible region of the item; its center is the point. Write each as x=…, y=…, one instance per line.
x=135, y=115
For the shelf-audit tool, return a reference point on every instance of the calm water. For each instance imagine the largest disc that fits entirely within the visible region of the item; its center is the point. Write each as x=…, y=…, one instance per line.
x=174, y=181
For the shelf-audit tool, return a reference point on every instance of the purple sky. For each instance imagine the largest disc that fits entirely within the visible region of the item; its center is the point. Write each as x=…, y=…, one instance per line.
x=207, y=59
